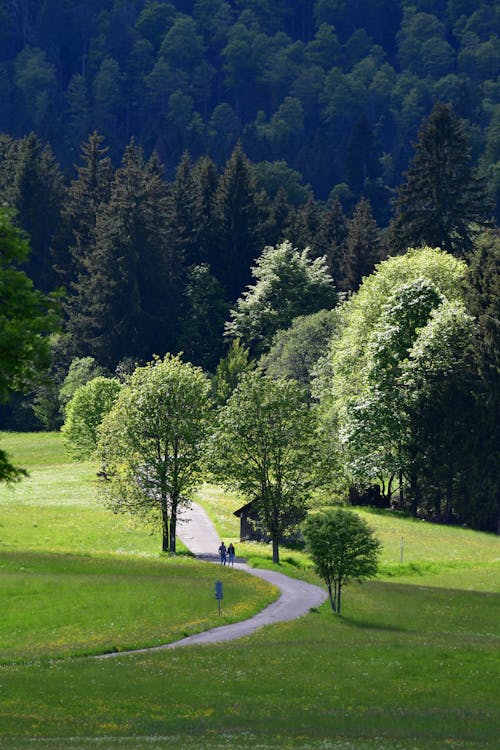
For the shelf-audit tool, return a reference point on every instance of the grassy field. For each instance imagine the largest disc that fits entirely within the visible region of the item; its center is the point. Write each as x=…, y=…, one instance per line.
x=76, y=579
x=413, y=664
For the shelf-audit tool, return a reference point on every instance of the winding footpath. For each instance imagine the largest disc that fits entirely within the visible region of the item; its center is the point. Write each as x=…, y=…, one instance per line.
x=297, y=597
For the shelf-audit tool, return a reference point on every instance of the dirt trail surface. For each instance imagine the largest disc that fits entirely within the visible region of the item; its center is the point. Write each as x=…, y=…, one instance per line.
x=297, y=597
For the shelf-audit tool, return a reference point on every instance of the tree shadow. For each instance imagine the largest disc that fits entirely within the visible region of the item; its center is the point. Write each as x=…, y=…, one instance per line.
x=368, y=625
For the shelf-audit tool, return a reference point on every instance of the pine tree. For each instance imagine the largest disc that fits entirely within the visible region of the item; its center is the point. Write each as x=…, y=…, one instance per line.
x=77, y=113
x=363, y=247
x=126, y=296
x=239, y=224
x=206, y=180
x=184, y=212
x=90, y=188
x=278, y=224
x=441, y=199
x=331, y=237
x=305, y=224
x=205, y=312
x=362, y=165
x=34, y=188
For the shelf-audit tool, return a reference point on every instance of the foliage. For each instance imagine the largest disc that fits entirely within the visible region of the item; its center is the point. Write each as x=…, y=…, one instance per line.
x=80, y=371
x=150, y=443
x=229, y=371
x=288, y=283
x=295, y=350
x=90, y=403
x=27, y=317
x=401, y=394
x=441, y=200
x=264, y=446
x=343, y=549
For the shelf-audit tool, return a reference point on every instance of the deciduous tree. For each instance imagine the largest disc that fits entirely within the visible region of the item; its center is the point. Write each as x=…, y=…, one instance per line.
x=343, y=549
x=264, y=447
x=151, y=442
x=288, y=283
x=85, y=412
x=27, y=317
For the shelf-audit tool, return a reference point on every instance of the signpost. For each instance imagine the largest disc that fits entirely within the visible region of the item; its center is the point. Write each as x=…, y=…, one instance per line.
x=218, y=592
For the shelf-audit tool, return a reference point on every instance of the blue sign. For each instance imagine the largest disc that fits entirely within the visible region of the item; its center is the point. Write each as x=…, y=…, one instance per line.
x=218, y=590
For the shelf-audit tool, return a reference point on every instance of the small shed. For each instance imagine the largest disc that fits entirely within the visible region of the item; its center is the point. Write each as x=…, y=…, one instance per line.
x=250, y=529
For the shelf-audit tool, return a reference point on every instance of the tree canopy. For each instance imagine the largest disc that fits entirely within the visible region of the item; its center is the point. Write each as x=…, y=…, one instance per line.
x=264, y=446
x=150, y=443
x=27, y=317
x=90, y=403
x=288, y=283
x=343, y=549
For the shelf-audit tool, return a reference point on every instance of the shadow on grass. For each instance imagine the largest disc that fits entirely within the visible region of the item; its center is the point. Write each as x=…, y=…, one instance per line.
x=367, y=625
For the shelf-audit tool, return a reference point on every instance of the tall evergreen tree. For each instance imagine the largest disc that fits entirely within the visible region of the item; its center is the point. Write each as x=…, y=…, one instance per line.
x=126, y=296
x=363, y=247
x=441, y=199
x=331, y=237
x=33, y=186
x=239, y=218
x=204, y=313
x=278, y=224
x=206, y=180
x=85, y=194
x=305, y=224
x=362, y=165
x=184, y=212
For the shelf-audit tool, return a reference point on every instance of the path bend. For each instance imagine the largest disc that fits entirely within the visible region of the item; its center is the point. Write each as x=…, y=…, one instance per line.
x=297, y=598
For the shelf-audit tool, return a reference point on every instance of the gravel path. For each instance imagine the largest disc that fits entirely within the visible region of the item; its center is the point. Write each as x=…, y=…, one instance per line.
x=297, y=597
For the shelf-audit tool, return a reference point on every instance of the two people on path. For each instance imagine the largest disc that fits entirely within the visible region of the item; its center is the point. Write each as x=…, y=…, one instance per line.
x=226, y=552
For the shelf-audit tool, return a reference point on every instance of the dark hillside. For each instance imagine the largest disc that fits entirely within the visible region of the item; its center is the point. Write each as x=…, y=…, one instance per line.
x=318, y=84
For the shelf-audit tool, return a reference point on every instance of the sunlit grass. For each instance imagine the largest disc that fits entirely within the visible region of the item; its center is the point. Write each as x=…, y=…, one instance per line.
x=413, y=663
x=411, y=549
x=406, y=667
x=61, y=605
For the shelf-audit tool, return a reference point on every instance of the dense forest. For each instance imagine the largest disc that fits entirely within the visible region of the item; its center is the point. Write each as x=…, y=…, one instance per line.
x=240, y=182
x=335, y=89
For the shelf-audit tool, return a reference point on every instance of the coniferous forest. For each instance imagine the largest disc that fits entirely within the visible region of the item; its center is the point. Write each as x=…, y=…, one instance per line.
x=150, y=151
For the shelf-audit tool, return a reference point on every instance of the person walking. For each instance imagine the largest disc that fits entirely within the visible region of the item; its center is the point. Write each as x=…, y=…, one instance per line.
x=222, y=553
x=231, y=553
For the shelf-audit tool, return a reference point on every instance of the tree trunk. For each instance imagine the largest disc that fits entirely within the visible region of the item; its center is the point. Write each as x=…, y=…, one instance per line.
x=164, y=524
x=332, y=600
x=389, y=489
x=173, y=525
x=276, y=552
x=415, y=495
x=339, y=588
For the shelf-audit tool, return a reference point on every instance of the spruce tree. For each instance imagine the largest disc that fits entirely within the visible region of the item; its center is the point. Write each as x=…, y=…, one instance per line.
x=305, y=224
x=239, y=224
x=331, y=237
x=206, y=180
x=441, y=200
x=362, y=164
x=278, y=224
x=184, y=212
x=363, y=247
x=33, y=186
x=90, y=188
x=126, y=295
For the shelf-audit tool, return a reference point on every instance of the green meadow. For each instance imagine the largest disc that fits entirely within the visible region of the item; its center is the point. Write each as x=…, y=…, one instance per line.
x=413, y=663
